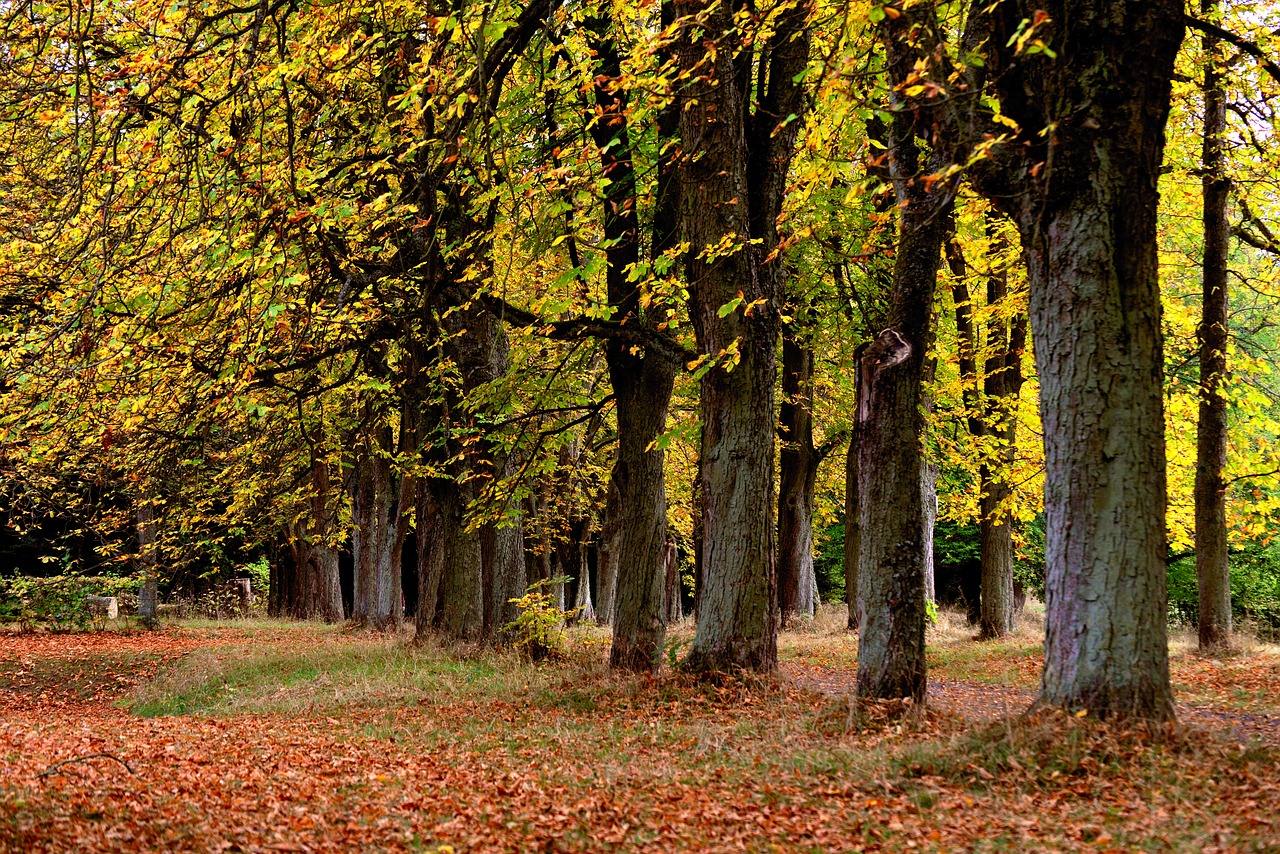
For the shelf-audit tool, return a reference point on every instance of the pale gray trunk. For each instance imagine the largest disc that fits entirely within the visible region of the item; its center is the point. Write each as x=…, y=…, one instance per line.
x=929, y=495
x=148, y=559
x=609, y=551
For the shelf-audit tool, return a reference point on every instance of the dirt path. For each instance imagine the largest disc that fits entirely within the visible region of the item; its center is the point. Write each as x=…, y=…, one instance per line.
x=982, y=702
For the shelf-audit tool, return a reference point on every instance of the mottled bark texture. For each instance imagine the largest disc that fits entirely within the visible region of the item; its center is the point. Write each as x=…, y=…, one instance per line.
x=1080, y=180
x=483, y=565
x=1092, y=123
x=316, y=592
x=1212, y=568
x=737, y=136
x=890, y=426
x=798, y=469
x=429, y=526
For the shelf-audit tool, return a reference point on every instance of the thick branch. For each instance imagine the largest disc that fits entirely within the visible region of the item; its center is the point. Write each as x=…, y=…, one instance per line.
x=1268, y=64
x=576, y=328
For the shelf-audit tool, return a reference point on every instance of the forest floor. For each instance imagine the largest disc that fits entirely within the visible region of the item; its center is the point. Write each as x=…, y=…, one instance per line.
x=268, y=736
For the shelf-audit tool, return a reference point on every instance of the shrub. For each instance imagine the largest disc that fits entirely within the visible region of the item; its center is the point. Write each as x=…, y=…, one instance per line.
x=60, y=601
x=539, y=630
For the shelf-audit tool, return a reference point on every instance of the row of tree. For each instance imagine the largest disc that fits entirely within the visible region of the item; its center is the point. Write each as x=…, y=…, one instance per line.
x=494, y=274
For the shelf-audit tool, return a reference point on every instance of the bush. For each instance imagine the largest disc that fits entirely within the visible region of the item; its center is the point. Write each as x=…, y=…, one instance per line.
x=1255, y=588
x=60, y=601
x=539, y=630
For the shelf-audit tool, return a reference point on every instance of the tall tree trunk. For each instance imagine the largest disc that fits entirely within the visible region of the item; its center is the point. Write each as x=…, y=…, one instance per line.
x=642, y=383
x=673, y=611
x=890, y=423
x=462, y=582
x=853, y=513
x=431, y=560
x=732, y=191
x=608, y=551
x=1212, y=570
x=993, y=416
x=378, y=532
x=319, y=591
x=1095, y=117
x=929, y=497
x=149, y=560
x=1002, y=384
x=798, y=465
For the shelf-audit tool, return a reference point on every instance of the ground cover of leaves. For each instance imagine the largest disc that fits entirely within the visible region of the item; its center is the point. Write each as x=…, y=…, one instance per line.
x=278, y=737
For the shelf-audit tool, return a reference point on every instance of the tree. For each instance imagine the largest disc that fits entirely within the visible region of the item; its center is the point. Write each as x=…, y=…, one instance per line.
x=734, y=162
x=1212, y=569
x=990, y=400
x=1088, y=86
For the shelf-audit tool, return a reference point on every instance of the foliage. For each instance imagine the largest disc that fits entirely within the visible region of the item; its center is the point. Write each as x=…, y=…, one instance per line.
x=1255, y=588
x=59, y=602
x=538, y=632
x=828, y=563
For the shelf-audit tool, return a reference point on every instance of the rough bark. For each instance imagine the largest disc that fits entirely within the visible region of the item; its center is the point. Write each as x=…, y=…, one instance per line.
x=431, y=561
x=798, y=468
x=1094, y=118
x=890, y=425
x=732, y=191
x=1212, y=569
x=461, y=585
x=610, y=547
x=319, y=592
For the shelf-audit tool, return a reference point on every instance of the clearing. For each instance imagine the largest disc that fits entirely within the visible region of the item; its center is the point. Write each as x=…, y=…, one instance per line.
x=272, y=736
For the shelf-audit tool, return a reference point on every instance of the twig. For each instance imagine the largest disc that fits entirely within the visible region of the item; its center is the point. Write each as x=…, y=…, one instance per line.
x=55, y=766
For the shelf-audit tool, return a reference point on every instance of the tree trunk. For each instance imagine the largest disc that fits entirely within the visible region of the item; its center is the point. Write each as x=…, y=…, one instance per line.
x=890, y=424
x=642, y=383
x=149, y=589
x=798, y=465
x=610, y=547
x=993, y=415
x=639, y=625
x=378, y=534
x=853, y=516
x=1094, y=119
x=1002, y=383
x=431, y=561
x=319, y=591
x=929, y=498
x=673, y=611
x=462, y=582
x=731, y=197
x=1212, y=570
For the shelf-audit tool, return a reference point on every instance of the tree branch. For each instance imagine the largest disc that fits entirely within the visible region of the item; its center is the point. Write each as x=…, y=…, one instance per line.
x=1268, y=64
x=575, y=328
